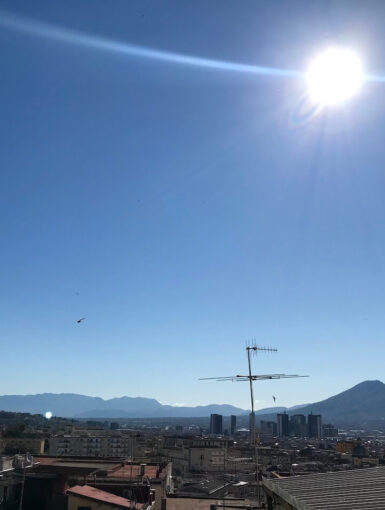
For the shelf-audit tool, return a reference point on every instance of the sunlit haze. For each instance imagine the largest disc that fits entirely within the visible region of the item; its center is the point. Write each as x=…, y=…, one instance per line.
x=334, y=76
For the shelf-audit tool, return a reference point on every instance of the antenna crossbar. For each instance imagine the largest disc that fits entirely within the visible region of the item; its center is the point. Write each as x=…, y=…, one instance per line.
x=253, y=349
x=259, y=348
x=252, y=377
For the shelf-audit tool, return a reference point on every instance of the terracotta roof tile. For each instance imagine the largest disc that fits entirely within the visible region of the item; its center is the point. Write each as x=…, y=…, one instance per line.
x=131, y=471
x=87, y=491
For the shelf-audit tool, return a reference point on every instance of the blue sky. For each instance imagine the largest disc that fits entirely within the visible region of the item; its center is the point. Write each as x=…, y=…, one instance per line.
x=181, y=209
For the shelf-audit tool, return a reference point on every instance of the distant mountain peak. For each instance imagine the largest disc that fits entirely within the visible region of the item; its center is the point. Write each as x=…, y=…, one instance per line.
x=373, y=383
x=363, y=402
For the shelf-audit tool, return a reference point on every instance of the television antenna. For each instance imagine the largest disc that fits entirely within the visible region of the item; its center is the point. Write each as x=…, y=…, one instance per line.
x=253, y=349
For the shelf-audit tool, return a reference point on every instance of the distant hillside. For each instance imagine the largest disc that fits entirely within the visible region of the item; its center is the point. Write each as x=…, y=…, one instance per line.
x=363, y=403
x=268, y=410
x=81, y=406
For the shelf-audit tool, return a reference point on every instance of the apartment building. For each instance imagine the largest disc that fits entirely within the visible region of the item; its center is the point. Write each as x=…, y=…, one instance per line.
x=15, y=445
x=104, y=443
x=206, y=459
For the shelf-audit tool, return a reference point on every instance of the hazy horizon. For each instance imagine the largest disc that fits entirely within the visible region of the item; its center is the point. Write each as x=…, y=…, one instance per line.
x=177, y=404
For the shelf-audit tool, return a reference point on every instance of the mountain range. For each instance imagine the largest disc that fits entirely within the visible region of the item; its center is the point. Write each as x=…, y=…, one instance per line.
x=359, y=405
x=71, y=405
x=363, y=402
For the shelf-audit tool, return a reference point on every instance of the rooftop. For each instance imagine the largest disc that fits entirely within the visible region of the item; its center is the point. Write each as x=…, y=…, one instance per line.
x=68, y=462
x=113, y=469
x=358, y=489
x=208, y=487
x=131, y=471
x=85, y=491
x=203, y=503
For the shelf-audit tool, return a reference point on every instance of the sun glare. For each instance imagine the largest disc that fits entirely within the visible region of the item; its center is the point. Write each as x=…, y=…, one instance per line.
x=334, y=76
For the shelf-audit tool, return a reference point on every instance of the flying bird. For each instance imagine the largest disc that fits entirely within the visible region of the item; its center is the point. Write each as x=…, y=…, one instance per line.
x=80, y=320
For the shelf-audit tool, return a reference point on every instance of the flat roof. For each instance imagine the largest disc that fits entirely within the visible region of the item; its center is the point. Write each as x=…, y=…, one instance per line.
x=69, y=462
x=202, y=503
x=85, y=491
x=131, y=471
x=114, y=469
x=358, y=489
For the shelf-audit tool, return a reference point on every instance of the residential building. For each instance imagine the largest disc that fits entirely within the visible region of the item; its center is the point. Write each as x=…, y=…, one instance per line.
x=12, y=469
x=216, y=424
x=85, y=497
x=346, y=446
x=15, y=445
x=108, y=443
x=233, y=424
x=329, y=431
x=207, y=459
x=314, y=422
x=50, y=477
x=268, y=430
x=298, y=426
x=283, y=425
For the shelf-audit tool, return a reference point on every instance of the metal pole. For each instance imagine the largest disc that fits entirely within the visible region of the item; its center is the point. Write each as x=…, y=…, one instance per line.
x=224, y=477
x=257, y=469
x=252, y=417
x=22, y=489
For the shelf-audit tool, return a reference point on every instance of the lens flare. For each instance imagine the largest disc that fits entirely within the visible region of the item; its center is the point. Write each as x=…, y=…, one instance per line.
x=64, y=35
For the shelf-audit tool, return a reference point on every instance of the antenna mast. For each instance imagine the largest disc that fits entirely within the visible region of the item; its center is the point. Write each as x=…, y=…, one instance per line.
x=250, y=377
x=254, y=349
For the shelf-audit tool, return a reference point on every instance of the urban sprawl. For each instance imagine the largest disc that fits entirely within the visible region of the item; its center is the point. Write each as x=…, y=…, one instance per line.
x=215, y=463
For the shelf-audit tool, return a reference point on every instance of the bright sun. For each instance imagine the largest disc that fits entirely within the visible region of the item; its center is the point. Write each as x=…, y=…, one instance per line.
x=334, y=76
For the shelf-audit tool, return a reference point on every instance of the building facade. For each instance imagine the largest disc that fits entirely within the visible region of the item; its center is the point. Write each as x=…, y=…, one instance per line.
x=207, y=459
x=216, y=424
x=85, y=497
x=283, y=425
x=15, y=445
x=268, y=430
x=314, y=422
x=298, y=427
x=233, y=424
x=329, y=431
x=93, y=444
